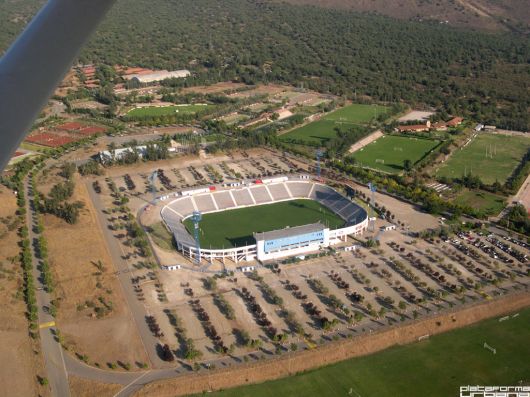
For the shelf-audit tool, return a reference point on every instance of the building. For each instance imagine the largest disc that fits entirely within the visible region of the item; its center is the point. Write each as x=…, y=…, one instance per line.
x=415, y=128
x=440, y=126
x=291, y=241
x=146, y=78
x=455, y=122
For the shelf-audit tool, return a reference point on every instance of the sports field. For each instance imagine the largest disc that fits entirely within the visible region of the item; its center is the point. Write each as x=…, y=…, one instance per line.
x=324, y=129
x=389, y=152
x=356, y=114
x=436, y=367
x=165, y=110
x=235, y=228
x=488, y=203
x=491, y=157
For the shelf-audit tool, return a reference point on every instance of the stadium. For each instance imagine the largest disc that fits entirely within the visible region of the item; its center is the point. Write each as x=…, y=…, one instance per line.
x=329, y=218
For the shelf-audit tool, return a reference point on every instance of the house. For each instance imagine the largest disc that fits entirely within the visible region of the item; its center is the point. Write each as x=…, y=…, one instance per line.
x=440, y=126
x=415, y=128
x=455, y=122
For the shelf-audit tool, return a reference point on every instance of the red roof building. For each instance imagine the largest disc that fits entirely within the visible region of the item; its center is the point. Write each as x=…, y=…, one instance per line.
x=455, y=122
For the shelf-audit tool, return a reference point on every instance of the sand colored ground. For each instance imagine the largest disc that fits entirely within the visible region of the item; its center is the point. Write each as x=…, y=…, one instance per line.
x=365, y=141
x=74, y=251
x=19, y=378
x=310, y=359
x=80, y=387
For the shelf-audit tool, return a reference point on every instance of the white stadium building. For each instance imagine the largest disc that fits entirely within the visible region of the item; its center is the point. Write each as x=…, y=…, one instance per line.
x=269, y=245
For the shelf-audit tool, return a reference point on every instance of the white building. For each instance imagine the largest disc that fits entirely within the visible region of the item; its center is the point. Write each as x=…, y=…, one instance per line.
x=147, y=78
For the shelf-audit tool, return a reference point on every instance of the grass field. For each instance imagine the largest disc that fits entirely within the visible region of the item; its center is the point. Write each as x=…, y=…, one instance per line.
x=436, y=367
x=394, y=150
x=356, y=114
x=161, y=236
x=165, y=110
x=488, y=203
x=324, y=129
x=234, y=228
x=507, y=153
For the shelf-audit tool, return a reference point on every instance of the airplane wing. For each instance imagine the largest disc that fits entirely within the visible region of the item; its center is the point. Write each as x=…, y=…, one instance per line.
x=36, y=63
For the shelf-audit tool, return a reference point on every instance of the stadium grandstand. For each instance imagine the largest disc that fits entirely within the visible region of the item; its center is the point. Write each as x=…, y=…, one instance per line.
x=269, y=245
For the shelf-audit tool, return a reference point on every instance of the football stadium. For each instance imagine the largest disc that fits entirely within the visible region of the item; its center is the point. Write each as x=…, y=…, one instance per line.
x=262, y=220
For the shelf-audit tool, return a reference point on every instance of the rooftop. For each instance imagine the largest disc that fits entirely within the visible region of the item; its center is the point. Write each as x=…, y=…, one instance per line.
x=289, y=232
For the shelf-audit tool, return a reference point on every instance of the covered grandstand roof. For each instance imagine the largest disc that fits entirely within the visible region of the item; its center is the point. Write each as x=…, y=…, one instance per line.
x=289, y=232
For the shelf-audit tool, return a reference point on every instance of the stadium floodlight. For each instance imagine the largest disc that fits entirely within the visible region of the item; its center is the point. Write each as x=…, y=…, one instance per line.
x=196, y=218
x=38, y=60
x=152, y=179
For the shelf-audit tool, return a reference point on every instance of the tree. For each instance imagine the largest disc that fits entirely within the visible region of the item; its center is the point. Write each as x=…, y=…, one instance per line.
x=167, y=354
x=407, y=164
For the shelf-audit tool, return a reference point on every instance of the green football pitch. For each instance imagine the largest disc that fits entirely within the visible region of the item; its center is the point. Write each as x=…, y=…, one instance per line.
x=235, y=228
x=165, y=110
x=435, y=367
x=491, y=157
x=389, y=152
x=323, y=130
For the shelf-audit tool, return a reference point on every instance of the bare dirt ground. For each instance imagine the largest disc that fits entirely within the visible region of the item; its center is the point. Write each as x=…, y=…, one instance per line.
x=404, y=212
x=269, y=89
x=365, y=141
x=74, y=252
x=415, y=115
x=80, y=387
x=22, y=365
x=310, y=359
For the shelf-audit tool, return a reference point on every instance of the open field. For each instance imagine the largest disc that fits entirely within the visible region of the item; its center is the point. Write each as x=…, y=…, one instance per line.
x=356, y=114
x=345, y=118
x=234, y=228
x=165, y=110
x=435, y=367
x=318, y=132
x=389, y=153
x=82, y=286
x=491, y=157
x=490, y=204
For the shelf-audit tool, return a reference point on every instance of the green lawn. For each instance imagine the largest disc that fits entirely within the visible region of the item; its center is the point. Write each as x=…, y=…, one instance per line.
x=490, y=204
x=389, y=152
x=235, y=228
x=318, y=132
x=161, y=236
x=436, y=367
x=321, y=131
x=165, y=110
x=504, y=154
x=357, y=114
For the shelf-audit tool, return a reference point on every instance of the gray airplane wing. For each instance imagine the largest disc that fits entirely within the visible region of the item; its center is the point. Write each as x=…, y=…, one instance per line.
x=36, y=63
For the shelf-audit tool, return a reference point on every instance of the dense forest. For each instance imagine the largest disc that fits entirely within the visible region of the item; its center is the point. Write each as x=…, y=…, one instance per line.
x=358, y=56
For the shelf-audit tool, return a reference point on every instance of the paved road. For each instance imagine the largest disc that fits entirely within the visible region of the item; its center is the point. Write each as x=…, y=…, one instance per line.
x=51, y=349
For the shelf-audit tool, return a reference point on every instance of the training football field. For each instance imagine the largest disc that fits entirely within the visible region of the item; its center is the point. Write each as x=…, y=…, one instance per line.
x=165, y=110
x=435, y=367
x=321, y=131
x=235, y=228
x=491, y=157
x=389, y=152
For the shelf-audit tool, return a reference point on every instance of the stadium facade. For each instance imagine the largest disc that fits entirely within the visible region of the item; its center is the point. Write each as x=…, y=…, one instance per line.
x=271, y=245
